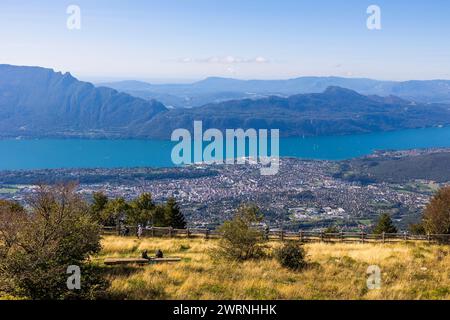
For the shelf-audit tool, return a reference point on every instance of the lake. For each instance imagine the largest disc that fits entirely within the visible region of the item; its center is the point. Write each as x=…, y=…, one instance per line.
x=83, y=153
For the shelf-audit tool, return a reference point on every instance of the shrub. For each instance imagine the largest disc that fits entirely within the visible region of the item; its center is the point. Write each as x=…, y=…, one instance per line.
x=241, y=240
x=291, y=255
x=39, y=244
x=332, y=229
x=417, y=229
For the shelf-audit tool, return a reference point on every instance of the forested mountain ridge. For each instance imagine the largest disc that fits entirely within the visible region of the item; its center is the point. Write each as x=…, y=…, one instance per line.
x=336, y=111
x=36, y=101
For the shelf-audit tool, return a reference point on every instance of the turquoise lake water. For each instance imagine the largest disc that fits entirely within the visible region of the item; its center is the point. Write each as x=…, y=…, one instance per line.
x=83, y=153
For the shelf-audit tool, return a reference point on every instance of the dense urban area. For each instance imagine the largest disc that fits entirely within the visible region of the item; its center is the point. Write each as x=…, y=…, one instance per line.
x=306, y=194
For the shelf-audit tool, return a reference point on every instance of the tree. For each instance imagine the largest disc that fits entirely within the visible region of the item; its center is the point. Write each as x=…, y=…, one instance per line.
x=173, y=215
x=56, y=232
x=141, y=210
x=99, y=202
x=241, y=240
x=385, y=225
x=115, y=210
x=159, y=216
x=436, y=218
x=12, y=217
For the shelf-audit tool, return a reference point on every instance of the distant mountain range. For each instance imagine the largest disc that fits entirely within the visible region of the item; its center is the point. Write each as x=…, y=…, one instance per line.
x=336, y=111
x=216, y=89
x=38, y=102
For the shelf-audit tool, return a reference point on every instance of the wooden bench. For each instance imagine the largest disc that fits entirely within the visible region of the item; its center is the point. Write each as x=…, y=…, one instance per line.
x=140, y=261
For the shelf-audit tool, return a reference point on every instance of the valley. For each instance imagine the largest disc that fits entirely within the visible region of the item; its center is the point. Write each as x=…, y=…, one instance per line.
x=306, y=194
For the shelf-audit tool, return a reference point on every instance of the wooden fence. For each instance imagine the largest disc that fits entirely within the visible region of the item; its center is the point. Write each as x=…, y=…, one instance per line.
x=303, y=236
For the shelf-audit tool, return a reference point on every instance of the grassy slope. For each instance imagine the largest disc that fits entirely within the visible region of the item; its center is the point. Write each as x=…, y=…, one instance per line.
x=336, y=271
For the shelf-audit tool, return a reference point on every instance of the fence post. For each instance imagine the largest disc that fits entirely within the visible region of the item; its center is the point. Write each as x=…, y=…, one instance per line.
x=341, y=236
x=362, y=237
x=188, y=232
x=321, y=236
x=383, y=235
x=428, y=237
x=301, y=235
x=282, y=235
x=153, y=231
x=207, y=234
x=170, y=232
x=405, y=236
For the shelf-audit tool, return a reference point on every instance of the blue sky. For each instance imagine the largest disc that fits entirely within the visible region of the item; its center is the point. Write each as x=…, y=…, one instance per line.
x=166, y=40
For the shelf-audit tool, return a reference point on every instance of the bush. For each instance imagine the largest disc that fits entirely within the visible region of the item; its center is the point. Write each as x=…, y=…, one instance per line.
x=417, y=229
x=291, y=255
x=332, y=229
x=39, y=244
x=241, y=240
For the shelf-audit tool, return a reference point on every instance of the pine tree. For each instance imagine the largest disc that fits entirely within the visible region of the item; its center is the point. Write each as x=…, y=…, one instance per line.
x=385, y=225
x=174, y=217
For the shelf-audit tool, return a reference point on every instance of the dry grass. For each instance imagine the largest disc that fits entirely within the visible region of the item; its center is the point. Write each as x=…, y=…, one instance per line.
x=336, y=271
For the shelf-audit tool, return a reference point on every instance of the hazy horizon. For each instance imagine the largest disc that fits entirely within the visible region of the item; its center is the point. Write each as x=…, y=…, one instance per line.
x=173, y=41
x=169, y=80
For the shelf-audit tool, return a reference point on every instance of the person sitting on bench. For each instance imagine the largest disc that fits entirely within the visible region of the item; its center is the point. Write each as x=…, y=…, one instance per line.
x=145, y=255
x=159, y=254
